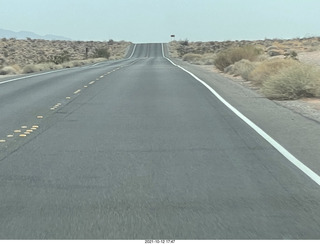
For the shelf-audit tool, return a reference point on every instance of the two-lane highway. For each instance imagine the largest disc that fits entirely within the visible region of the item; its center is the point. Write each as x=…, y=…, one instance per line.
x=138, y=149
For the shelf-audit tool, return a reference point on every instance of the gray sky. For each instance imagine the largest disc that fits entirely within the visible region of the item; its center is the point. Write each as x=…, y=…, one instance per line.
x=155, y=20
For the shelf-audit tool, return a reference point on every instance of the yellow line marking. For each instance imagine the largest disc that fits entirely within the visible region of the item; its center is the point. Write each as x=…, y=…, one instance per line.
x=17, y=131
x=77, y=91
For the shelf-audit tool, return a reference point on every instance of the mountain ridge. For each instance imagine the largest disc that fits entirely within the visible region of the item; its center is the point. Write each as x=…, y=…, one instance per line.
x=28, y=34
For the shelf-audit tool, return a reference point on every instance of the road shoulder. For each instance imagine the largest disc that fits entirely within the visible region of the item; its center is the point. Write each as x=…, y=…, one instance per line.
x=298, y=133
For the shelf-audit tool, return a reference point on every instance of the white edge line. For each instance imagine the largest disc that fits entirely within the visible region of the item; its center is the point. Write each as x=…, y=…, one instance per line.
x=134, y=48
x=40, y=74
x=274, y=143
x=29, y=76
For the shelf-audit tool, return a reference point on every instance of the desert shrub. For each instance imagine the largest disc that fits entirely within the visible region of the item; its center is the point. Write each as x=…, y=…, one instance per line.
x=30, y=68
x=232, y=55
x=243, y=68
x=9, y=70
x=268, y=68
x=61, y=58
x=3, y=62
x=192, y=57
x=101, y=53
x=294, y=82
x=77, y=63
x=48, y=66
x=208, y=58
x=184, y=43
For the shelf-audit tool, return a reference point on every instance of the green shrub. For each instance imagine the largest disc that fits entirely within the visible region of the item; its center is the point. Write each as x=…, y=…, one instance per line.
x=232, y=55
x=293, y=82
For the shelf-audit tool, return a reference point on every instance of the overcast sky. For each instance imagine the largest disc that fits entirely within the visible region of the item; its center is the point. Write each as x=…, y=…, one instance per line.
x=155, y=20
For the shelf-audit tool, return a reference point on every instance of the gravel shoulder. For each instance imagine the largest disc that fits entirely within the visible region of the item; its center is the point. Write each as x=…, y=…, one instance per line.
x=293, y=124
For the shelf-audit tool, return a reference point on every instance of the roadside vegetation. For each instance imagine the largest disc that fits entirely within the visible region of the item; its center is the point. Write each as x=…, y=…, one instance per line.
x=30, y=55
x=271, y=66
x=230, y=56
x=293, y=82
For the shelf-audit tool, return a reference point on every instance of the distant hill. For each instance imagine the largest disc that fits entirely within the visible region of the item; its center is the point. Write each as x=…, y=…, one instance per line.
x=28, y=34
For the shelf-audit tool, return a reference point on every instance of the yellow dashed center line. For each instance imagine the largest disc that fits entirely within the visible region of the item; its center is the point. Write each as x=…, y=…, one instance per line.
x=77, y=91
x=56, y=106
x=35, y=127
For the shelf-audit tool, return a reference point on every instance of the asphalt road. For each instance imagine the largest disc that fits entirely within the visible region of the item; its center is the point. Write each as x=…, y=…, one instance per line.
x=138, y=149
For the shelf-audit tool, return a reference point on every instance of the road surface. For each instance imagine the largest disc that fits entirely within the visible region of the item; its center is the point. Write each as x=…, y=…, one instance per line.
x=138, y=149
